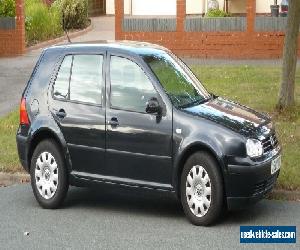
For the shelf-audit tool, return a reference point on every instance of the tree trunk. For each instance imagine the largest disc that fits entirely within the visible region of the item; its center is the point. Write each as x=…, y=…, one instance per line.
x=287, y=89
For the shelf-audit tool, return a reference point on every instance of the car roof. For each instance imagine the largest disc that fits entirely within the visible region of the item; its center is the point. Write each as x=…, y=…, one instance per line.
x=134, y=47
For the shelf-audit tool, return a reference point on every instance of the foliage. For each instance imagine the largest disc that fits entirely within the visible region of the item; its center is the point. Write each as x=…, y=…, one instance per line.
x=287, y=90
x=9, y=161
x=41, y=22
x=75, y=13
x=44, y=22
x=217, y=13
x=7, y=8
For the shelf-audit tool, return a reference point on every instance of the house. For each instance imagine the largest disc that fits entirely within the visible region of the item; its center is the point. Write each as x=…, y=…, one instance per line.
x=251, y=32
x=168, y=7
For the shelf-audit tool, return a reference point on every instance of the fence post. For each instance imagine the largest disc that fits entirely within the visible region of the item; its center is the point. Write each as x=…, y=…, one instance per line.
x=20, y=27
x=119, y=15
x=181, y=10
x=251, y=13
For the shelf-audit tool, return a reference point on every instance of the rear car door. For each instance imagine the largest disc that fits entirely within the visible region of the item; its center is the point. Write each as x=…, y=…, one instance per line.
x=76, y=103
x=139, y=144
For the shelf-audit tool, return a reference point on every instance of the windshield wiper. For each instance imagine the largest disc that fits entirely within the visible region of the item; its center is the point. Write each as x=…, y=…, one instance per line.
x=194, y=103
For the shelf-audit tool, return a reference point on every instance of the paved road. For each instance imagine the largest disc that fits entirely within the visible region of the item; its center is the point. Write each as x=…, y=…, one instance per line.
x=125, y=219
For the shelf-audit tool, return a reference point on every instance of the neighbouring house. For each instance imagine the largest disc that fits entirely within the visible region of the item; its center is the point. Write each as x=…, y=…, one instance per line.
x=168, y=7
x=180, y=25
x=97, y=7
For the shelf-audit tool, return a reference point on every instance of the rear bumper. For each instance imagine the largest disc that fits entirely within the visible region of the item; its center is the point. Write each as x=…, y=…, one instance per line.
x=22, y=150
x=245, y=185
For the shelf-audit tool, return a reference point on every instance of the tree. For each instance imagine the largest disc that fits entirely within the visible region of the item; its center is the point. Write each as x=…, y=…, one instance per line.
x=287, y=89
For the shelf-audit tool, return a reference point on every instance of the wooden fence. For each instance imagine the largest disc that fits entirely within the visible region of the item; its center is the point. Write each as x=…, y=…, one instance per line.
x=215, y=24
x=7, y=23
x=149, y=24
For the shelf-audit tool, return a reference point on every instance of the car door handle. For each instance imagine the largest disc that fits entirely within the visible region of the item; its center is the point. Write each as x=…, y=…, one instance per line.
x=113, y=122
x=61, y=114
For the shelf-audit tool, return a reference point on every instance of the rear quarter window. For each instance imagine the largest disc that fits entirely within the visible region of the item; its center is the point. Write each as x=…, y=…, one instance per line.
x=38, y=83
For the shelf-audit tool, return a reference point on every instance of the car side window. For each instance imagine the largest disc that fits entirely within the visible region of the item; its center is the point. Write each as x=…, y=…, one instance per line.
x=79, y=79
x=131, y=89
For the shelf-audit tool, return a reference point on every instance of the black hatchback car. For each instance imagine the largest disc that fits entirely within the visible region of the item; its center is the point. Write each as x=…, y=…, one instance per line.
x=134, y=114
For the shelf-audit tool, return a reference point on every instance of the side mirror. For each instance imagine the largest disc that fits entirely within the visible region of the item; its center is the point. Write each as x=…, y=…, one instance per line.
x=153, y=106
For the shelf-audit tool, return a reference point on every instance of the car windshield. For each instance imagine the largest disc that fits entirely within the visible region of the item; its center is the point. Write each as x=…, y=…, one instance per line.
x=180, y=84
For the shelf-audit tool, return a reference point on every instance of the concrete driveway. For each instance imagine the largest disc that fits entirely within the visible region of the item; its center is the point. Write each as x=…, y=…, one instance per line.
x=14, y=74
x=113, y=218
x=15, y=71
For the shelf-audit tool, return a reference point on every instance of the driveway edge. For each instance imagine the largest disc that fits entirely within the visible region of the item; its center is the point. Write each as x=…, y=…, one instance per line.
x=7, y=179
x=60, y=39
x=281, y=194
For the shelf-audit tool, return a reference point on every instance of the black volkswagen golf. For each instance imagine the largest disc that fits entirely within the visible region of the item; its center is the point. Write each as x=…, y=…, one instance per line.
x=132, y=113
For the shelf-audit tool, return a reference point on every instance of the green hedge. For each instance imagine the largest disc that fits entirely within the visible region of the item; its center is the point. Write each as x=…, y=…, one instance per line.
x=217, y=13
x=7, y=8
x=44, y=22
x=41, y=22
x=75, y=13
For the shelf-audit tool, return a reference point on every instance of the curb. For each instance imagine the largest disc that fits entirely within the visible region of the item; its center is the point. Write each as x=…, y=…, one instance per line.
x=281, y=194
x=7, y=179
x=59, y=39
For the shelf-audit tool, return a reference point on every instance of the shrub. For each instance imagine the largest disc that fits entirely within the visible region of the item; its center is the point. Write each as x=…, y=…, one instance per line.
x=7, y=8
x=75, y=13
x=41, y=22
x=217, y=13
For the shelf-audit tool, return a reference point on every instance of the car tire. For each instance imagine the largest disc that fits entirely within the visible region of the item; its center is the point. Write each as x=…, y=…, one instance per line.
x=201, y=189
x=48, y=173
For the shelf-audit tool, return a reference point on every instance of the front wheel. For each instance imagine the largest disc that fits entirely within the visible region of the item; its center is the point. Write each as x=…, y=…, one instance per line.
x=201, y=189
x=48, y=175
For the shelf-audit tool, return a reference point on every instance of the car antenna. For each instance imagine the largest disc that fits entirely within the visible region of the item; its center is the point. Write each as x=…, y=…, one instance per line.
x=64, y=27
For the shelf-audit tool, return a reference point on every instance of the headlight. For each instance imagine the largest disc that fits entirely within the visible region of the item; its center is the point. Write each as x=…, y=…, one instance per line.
x=254, y=148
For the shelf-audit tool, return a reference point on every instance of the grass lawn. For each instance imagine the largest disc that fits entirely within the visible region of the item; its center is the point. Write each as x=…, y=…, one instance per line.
x=9, y=161
x=255, y=86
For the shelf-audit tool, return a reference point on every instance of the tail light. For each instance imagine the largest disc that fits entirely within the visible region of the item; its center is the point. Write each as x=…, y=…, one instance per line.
x=23, y=113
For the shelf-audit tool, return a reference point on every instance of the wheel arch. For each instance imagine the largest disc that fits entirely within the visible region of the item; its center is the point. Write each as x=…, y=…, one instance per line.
x=191, y=149
x=44, y=134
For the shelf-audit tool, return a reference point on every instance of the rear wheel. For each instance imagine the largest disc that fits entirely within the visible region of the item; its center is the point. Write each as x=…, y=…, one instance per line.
x=48, y=175
x=201, y=189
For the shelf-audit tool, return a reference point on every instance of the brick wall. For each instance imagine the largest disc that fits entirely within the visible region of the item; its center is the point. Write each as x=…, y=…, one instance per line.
x=237, y=45
x=12, y=41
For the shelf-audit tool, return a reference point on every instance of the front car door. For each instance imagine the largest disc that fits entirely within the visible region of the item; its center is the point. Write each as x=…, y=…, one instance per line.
x=139, y=145
x=76, y=102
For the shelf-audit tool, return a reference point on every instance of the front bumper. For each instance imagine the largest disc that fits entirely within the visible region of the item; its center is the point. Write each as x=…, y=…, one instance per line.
x=246, y=185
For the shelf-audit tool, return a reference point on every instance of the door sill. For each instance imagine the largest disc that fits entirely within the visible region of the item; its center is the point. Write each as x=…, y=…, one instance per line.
x=87, y=177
